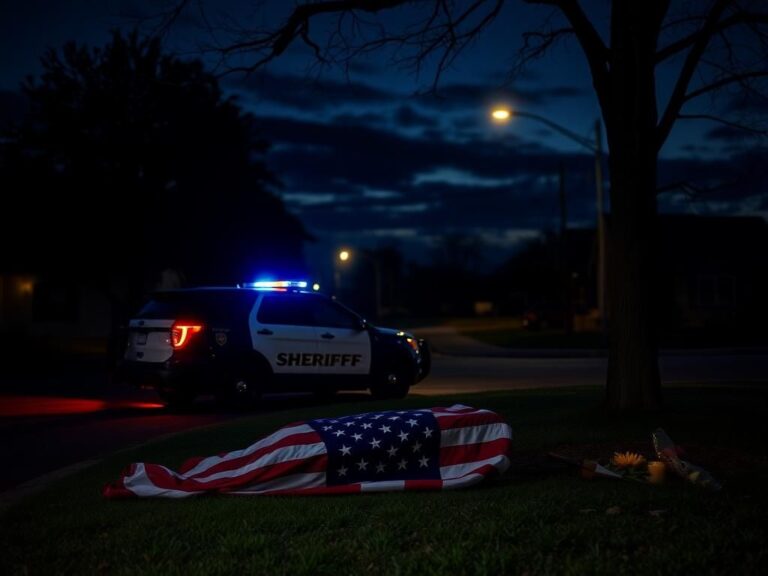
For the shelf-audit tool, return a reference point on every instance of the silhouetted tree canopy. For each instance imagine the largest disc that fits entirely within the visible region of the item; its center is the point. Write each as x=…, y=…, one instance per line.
x=135, y=152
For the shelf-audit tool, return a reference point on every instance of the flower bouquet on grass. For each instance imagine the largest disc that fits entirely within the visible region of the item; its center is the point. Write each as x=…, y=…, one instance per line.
x=634, y=466
x=669, y=454
x=629, y=465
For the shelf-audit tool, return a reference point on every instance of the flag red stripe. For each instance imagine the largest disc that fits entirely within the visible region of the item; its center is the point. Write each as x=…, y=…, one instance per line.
x=308, y=465
x=423, y=484
x=462, y=454
x=162, y=478
x=463, y=420
x=302, y=439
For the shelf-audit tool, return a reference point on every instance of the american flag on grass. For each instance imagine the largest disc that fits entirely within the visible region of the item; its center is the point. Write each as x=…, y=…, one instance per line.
x=425, y=449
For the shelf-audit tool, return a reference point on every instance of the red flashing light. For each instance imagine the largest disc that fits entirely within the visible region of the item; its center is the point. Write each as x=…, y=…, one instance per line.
x=182, y=333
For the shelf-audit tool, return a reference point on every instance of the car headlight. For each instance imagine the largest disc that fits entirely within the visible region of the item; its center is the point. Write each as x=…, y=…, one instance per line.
x=413, y=344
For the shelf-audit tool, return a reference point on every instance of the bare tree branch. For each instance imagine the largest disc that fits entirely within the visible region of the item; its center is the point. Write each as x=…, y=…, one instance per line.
x=677, y=99
x=693, y=191
x=719, y=120
x=536, y=44
x=711, y=87
x=683, y=43
x=593, y=46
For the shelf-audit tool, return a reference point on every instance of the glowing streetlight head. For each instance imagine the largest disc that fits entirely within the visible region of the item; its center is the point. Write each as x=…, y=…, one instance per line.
x=344, y=255
x=501, y=114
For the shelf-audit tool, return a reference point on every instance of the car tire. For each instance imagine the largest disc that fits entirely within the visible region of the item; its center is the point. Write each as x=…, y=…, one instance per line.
x=392, y=384
x=240, y=392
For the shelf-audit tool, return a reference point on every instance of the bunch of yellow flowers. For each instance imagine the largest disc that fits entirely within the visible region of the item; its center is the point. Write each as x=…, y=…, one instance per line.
x=624, y=460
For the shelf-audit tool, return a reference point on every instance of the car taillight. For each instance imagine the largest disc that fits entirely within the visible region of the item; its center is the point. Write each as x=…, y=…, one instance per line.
x=181, y=333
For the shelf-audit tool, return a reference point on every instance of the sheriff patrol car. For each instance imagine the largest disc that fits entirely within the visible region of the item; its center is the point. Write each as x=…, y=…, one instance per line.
x=265, y=337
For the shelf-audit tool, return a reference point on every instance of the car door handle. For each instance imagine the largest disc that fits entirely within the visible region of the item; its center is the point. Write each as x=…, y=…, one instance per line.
x=327, y=336
x=265, y=332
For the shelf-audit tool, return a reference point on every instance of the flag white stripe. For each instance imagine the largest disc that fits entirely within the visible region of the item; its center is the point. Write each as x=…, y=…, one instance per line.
x=463, y=482
x=500, y=462
x=273, y=438
x=292, y=482
x=278, y=456
x=475, y=434
x=140, y=484
x=383, y=486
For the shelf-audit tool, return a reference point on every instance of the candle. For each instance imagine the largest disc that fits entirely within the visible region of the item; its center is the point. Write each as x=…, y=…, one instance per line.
x=656, y=470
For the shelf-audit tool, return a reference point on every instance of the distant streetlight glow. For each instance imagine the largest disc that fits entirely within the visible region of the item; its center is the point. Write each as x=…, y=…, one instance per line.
x=501, y=114
x=344, y=255
x=315, y=286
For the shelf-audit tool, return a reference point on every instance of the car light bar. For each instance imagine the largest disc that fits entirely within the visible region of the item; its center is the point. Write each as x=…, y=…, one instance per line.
x=276, y=284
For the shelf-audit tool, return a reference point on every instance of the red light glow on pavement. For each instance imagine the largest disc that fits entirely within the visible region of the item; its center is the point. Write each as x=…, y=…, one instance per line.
x=55, y=405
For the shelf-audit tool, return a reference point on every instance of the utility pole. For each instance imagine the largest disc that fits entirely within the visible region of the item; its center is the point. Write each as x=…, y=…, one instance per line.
x=565, y=276
x=600, y=224
x=503, y=115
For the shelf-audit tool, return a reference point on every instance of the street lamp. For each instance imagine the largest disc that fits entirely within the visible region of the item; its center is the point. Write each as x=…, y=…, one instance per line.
x=345, y=255
x=502, y=114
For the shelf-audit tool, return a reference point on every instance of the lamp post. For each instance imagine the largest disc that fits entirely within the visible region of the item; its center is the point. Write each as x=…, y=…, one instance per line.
x=502, y=115
x=345, y=255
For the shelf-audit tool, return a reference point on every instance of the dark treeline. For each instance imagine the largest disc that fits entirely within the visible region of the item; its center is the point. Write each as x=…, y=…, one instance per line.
x=132, y=153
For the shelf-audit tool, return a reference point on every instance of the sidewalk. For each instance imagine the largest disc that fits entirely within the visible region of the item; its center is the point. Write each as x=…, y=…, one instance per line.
x=448, y=341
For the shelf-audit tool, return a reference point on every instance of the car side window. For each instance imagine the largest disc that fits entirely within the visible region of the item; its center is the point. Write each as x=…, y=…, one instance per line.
x=284, y=309
x=328, y=314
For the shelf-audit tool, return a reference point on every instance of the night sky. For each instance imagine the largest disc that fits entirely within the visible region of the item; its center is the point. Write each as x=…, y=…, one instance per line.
x=370, y=157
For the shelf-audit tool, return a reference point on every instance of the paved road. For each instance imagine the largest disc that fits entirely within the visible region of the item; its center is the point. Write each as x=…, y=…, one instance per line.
x=454, y=374
x=75, y=419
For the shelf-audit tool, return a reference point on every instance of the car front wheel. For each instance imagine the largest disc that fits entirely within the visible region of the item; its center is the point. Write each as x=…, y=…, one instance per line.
x=392, y=384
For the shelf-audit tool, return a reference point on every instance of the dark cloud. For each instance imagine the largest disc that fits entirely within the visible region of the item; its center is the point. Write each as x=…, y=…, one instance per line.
x=354, y=177
x=408, y=117
x=749, y=101
x=730, y=134
x=364, y=68
x=475, y=96
x=306, y=93
x=315, y=94
x=364, y=119
x=387, y=160
x=367, y=181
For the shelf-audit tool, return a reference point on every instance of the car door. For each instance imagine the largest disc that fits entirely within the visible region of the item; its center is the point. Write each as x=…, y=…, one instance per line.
x=344, y=345
x=282, y=331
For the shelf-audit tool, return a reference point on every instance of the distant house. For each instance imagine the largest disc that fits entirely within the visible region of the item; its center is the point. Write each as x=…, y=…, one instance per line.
x=716, y=269
x=713, y=271
x=61, y=313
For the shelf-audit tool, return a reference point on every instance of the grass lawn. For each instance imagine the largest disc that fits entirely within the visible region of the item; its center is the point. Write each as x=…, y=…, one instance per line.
x=534, y=520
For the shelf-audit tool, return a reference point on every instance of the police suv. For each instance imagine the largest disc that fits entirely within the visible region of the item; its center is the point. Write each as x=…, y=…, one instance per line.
x=265, y=337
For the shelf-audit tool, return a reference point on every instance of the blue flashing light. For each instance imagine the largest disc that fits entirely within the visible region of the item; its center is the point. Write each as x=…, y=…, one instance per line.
x=276, y=284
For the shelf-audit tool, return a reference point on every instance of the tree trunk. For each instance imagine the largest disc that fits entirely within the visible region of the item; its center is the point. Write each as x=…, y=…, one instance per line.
x=633, y=372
